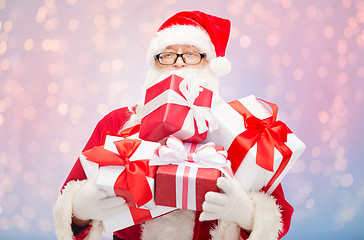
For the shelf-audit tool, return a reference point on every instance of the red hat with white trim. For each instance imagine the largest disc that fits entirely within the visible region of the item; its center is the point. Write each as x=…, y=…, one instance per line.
x=208, y=33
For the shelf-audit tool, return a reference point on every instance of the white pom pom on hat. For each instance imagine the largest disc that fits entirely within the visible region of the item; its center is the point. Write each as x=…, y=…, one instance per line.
x=208, y=33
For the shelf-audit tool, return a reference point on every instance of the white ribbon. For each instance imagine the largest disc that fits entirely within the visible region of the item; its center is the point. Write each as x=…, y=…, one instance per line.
x=205, y=156
x=200, y=114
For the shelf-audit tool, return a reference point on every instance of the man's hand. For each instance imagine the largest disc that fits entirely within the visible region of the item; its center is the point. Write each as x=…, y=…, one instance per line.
x=232, y=205
x=91, y=203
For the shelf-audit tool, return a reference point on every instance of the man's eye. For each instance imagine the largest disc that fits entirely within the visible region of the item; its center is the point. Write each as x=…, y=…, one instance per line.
x=167, y=55
x=190, y=54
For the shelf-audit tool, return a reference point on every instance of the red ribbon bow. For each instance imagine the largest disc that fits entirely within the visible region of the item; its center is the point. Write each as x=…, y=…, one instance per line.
x=133, y=178
x=267, y=134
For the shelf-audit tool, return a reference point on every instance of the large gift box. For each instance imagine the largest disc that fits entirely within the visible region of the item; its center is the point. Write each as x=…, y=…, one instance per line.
x=186, y=172
x=261, y=148
x=122, y=168
x=176, y=107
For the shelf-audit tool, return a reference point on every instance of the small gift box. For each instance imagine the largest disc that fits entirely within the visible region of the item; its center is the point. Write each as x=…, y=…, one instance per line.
x=261, y=148
x=121, y=167
x=175, y=107
x=186, y=172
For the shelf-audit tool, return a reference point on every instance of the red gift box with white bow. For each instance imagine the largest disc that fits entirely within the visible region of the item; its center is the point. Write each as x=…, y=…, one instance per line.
x=186, y=172
x=261, y=148
x=176, y=107
x=122, y=168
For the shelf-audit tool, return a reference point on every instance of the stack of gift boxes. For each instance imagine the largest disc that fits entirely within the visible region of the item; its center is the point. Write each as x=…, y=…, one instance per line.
x=182, y=146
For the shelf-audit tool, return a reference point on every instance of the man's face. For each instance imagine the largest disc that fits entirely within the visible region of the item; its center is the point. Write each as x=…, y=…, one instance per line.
x=191, y=58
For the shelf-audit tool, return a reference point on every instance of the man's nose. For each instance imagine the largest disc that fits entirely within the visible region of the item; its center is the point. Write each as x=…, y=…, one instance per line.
x=179, y=62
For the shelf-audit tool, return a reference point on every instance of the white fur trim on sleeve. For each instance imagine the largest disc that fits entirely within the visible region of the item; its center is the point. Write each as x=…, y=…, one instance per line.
x=62, y=213
x=267, y=217
x=267, y=221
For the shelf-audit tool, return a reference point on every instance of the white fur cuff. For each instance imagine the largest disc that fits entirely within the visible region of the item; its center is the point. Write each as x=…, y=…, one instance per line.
x=62, y=213
x=267, y=217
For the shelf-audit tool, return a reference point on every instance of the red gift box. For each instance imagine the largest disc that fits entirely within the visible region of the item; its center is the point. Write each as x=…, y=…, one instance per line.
x=170, y=108
x=186, y=172
x=184, y=186
x=121, y=167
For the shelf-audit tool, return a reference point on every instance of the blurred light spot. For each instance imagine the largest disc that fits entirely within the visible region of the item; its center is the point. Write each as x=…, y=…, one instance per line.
x=113, y=4
x=29, y=178
x=51, y=101
x=45, y=225
x=310, y=203
x=341, y=164
x=249, y=19
x=28, y=44
x=272, y=40
x=46, y=193
x=346, y=3
x=342, y=62
x=325, y=136
x=305, y=53
x=2, y=5
x=8, y=25
x=358, y=96
x=340, y=152
x=298, y=167
x=342, y=47
x=286, y=60
x=298, y=74
x=333, y=143
x=64, y=147
x=360, y=16
x=335, y=180
x=41, y=14
x=293, y=14
x=5, y=64
x=105, y=67
x=77, y=111
x=102, y=109
x=52, y=88
x=115, y=21
x=116, y=65
x=245, y=41
x=322, y=72
x=348, y=33
x=145, y=27
x=99, y=20
x=311, y=12
x=316, y=151
x=19, y=221
x=73, y=25
x=329, y=32
x=1, y=119
x=347, y=180
x=291, y=97
x=63, y=109
x=286, y=3
x=323, y=117
x=343, y=78
x=71, y=2
x=51, y=45
x=51, y=24
x=29, y=113
x=3, y=47
x=28, y=212
x=316, y=166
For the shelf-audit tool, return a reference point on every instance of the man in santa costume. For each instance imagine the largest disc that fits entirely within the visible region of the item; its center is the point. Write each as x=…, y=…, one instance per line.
x=191, y=45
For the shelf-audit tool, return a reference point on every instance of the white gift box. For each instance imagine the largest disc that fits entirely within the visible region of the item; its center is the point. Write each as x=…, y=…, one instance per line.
x=231, y=124
x=107, y=176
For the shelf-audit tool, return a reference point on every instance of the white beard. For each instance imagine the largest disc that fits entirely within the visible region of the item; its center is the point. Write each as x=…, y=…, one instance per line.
x=194, y=76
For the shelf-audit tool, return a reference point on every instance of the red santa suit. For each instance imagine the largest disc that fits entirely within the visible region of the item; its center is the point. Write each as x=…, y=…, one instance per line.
x=272, y=214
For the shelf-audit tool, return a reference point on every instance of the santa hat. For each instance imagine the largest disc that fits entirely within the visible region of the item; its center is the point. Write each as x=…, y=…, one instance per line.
x=208, y=33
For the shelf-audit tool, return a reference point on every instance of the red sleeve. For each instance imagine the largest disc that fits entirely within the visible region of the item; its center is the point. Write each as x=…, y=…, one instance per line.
x=112, y=122
x=286, y=211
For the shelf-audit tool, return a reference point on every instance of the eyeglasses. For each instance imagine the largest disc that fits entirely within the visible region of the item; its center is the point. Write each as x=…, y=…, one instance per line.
x=190, y=58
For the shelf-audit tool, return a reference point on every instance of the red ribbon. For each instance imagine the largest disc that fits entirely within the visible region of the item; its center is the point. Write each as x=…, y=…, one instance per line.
x=267, y=133
x=124, y=133
x=133, y=178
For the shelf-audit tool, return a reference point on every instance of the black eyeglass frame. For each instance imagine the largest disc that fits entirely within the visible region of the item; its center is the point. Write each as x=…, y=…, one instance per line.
x=157, y=57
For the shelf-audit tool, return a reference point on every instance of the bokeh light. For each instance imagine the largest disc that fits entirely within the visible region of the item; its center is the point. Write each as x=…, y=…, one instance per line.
x=65, y=64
